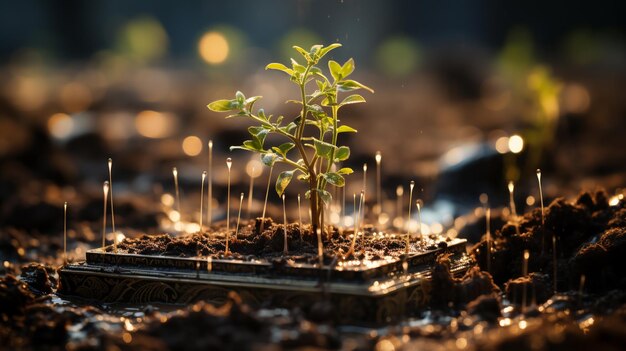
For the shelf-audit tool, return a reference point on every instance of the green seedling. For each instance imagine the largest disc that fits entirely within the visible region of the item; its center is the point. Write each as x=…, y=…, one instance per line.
x=311, y=138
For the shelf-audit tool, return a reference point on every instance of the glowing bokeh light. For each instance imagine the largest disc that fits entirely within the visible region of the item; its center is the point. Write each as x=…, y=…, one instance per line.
x=60, y=125
x=213, y=48
x=153, y=124
x=192, y=145
x=502, y=145
x=516, y=144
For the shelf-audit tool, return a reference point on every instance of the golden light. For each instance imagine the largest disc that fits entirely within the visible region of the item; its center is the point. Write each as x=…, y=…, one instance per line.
x=254, y=168
x=60, y=125
x=502, y=145
x=192, y=145
x=516, y=144
x=167, y=200
x=530, y=200
x=213, y=48
x=153, y=124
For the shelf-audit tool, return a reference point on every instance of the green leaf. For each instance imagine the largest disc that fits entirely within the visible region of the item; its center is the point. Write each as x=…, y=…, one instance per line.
x=325, y=50
x=253, y=145
x=322, y=148
x=297, y=67
x=345, y=170
x=269, y=158
x=251, y=100
x=302, y=52
x=283, y=149
x=334, y=178
x=222, y=105
x=349, y=85
x=315, y=49
x=347, y=68
x=284, y=178
x=335, y=70
x=324, y=195
x=346, y=129
x=353, y=99
x=342, y=153
x=279, y=67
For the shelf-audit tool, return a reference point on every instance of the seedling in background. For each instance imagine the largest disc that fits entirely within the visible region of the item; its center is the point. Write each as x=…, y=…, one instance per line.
x=110, y=164
x=175, y=174
x=239, y=216
x=229, y=164
x=210, y=186
x=65, y=232
x=319, y=109
x=105, y=190
x=202, y=199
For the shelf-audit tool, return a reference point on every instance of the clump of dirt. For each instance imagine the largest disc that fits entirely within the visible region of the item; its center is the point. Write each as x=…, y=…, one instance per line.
x=448, y=291
x=535, y=288
x=38, y=278
x=583, y=232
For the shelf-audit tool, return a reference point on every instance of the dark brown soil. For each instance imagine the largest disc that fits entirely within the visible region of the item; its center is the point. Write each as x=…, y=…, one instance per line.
x=251, y=244
x=589, y=240
x=453, y=292
x=233, y=326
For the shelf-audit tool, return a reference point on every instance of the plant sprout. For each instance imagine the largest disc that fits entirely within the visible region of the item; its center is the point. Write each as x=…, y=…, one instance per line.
x=318, y=150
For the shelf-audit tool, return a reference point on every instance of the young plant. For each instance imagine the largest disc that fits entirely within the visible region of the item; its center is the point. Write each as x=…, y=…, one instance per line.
x=317, y=150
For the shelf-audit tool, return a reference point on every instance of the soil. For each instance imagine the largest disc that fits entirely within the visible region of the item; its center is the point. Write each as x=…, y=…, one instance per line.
x=480, y=311
x=251, y=244
x=590, y=240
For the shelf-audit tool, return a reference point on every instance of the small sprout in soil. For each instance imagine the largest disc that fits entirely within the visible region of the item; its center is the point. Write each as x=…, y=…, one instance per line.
x=408, y=221
x=514, y=218
x=229, y=164
x=316, y=154
x=250, y=191
x=65, y=232
x=202, y=200
x=267, y=192
x=299, y=218
x=239, y=216
x=110, y=164
x=285, y=249
x=541, y=197
x=210, y=187
x=320, y=248
x=488, y=236
x=354, y=212
x=364, y=188
x=342, y=216
x=379, y=208
x=105, y=190
x=418, y=203
x=175, y=174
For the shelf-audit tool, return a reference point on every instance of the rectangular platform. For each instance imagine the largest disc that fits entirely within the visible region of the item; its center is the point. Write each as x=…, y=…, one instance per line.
x=375, y=294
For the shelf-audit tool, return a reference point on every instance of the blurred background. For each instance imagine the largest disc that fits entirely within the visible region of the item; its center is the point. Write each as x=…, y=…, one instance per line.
x=469, y=95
